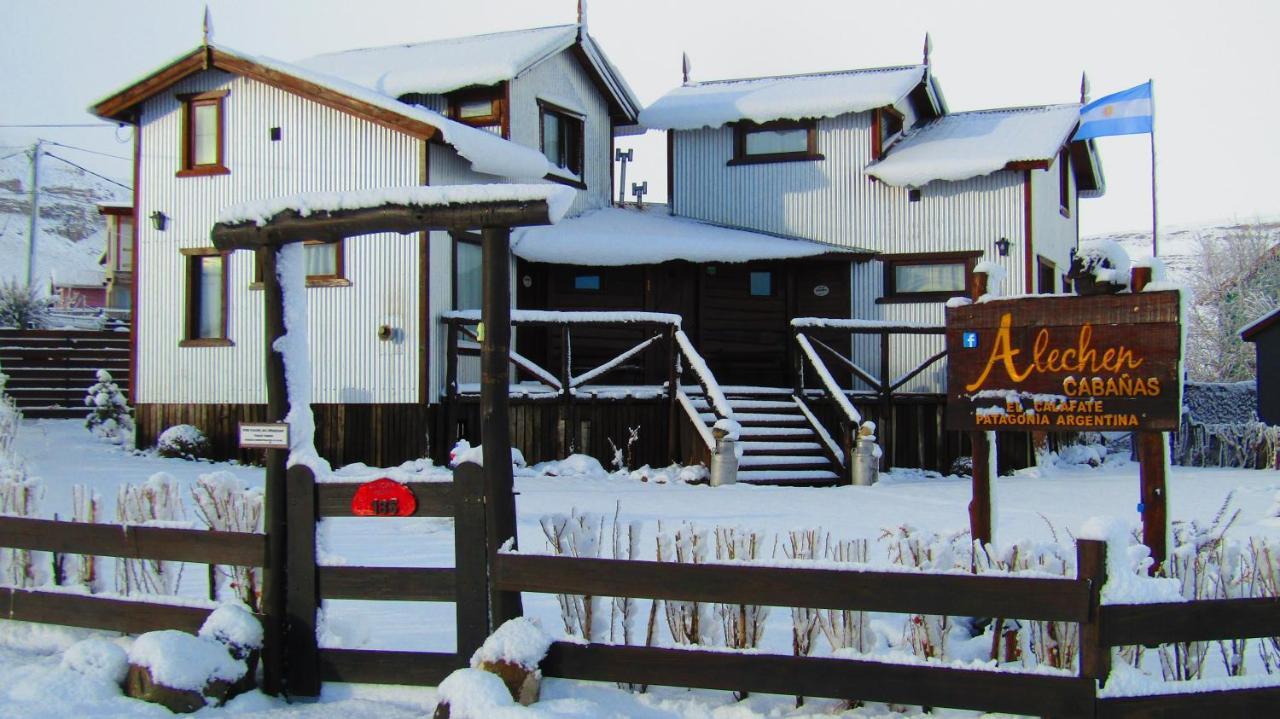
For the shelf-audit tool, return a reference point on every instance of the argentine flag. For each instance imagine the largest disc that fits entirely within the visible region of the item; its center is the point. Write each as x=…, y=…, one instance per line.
x=1128, y=112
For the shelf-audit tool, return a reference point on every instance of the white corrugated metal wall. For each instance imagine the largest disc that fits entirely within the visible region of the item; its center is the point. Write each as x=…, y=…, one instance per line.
x=320, y=149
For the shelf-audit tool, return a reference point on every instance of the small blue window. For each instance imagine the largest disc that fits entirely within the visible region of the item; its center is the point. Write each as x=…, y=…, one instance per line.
x=586, y=282
x=761, y=284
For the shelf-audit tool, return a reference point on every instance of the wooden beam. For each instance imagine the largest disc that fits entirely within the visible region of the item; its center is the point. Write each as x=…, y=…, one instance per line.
x=290, y=226
x=240, y=549
x=117, y=106
x=399, y=584
x=274, y=510
x=366, y=666
x=1198, y=621
x=901, y=592
x=93, y=612
x=434, y=499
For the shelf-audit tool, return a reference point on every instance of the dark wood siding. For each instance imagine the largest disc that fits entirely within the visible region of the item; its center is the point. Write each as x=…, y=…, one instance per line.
x=1268, y=342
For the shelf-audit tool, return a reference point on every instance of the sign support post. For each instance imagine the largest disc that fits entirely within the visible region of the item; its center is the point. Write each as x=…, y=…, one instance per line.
x=980, y=494
x=1152, y=468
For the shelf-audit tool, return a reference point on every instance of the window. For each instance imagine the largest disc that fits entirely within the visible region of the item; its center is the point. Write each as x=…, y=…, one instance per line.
x=203, y=134
x=761, y=284
x=325, y=264
x=562, y=137
x=1064, y=183
x=124, y=243
x=468, y=259
x=887, y=125
x=478, y=108
x=927, y=277
x=1048, y=275
x=778, y=141
x=206, y=302
x=590, y=283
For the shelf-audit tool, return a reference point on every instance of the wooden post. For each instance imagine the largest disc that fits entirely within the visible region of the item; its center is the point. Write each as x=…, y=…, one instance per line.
x=471, y=560
x=849, y=445
x=450, y=435
x=495, y=422
x=1091, y=566
x=885, y=429
x=980, y=501
x=302, y=596
x=566, y=398
x=1152, y=468
x=673, y=404
x=275, y=512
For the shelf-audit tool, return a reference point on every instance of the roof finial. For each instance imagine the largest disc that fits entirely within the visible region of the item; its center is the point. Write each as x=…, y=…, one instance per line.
x=582, y=18
x=1084, y=88
x=685, y=66
x=208, y=25
x=928, y=47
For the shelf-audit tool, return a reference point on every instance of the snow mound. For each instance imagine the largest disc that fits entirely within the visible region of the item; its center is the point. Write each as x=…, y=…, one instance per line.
x=575, y=465
x=97, y=658
x=233, y=626
x=182, y=440
x=181, y=661
x=518, y=641
x=1106, y=260
x=464, y=452
x=477, y=694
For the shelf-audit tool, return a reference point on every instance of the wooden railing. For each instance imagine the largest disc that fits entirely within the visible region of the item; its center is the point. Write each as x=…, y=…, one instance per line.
x=882, y=384
x=562, y=383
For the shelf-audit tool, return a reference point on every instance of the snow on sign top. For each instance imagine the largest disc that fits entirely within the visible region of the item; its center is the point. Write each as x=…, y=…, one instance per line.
x=713, y=104
x=616, y=236
x=558, y=199
x=440, y=66
x=970, y=144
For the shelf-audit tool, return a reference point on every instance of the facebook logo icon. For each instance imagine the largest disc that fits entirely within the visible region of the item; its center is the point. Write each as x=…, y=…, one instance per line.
x=969, y=340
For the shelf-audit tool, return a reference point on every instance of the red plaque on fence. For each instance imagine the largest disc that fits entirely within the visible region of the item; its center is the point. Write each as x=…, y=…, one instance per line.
x=383, y=498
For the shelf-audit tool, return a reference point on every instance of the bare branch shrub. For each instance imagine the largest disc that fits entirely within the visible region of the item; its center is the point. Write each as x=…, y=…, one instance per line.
x=225, y=504
x=846, y=628
x=156, y=502
x=86, y=508
x=743, y=624
x=686, y=620
x=577, y=535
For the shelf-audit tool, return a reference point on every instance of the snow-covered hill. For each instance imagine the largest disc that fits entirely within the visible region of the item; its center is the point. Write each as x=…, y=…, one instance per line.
x=1180, y=245
x=72, y=234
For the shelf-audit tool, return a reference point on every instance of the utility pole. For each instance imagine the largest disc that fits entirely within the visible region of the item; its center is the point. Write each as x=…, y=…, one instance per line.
x=35, y=211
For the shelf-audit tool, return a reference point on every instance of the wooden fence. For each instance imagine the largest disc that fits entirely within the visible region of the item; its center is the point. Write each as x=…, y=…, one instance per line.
x=131, y=615
x=1070, y=600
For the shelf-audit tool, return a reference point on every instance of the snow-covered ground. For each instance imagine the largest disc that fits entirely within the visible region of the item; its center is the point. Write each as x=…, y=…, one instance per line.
x=1039, y=505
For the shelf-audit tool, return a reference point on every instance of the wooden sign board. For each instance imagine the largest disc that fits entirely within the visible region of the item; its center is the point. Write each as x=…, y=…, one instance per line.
x=1064, y=364
x=264, y=435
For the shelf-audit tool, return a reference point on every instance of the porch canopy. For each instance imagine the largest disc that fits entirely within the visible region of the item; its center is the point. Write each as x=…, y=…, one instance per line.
x=266, y=226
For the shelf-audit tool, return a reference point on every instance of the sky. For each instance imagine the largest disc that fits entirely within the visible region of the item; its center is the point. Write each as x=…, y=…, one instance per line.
x=1213, y=65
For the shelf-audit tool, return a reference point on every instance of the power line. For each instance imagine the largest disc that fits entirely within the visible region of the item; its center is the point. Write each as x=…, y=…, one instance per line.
x=85, y=149
x=85, y=169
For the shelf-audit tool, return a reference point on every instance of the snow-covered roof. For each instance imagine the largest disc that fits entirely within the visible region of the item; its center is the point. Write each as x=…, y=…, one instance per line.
x=970, y=144
x=487, y=153
x=615, y=236
x=1251, y=330
x=793, y=97
x=557, y=197
x=440, y=66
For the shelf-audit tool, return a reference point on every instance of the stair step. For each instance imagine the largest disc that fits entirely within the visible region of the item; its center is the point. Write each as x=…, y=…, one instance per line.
x=769, y=418
x=800, y=448
x=747, y=404
x=776, y=432
x=783, y=461
x=778, y=476
x=53, y=413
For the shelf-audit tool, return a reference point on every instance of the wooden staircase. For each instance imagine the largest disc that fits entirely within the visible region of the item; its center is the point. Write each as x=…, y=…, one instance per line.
x=779, y=447
x=50, y=370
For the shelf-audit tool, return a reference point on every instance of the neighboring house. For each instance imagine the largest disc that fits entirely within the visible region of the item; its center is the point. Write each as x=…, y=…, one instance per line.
x=1265, y=334
x=117, y=254
x=218, y=127
x=873, y=162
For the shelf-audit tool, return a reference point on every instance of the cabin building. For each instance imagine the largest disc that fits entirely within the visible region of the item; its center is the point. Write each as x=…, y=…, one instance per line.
x=849, y=196
x=1264, y=333
x=117, y=254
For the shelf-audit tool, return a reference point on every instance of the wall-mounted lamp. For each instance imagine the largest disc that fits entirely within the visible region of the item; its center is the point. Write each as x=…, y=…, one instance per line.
x=159, y=220
x=1002, y=246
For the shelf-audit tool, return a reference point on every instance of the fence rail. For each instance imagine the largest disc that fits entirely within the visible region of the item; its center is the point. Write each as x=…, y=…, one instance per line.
x=434, y=499
x=239, y=549
x=131, y=616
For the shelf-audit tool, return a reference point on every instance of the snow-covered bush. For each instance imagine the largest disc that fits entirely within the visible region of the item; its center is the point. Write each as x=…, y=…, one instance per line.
x=22, y=306
x=19, y=494
x=686, y=545
x=225, y=504
x=742, y=624
x=10, y=418
x=577, y=535
x=183, y=441
x=234, y=627
x=157, y=501
x=109, y=414
x=623, y=456
x=926, y=634
x=86, y=505
x=846, y=629
x=804, y=545
x=1041, y=643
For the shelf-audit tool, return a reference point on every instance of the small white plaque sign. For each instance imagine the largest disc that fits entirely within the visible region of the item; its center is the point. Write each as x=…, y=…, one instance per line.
x=266, y=435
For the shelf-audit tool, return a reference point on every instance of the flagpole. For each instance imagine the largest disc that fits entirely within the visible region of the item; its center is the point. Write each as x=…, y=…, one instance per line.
x=1155, y=227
